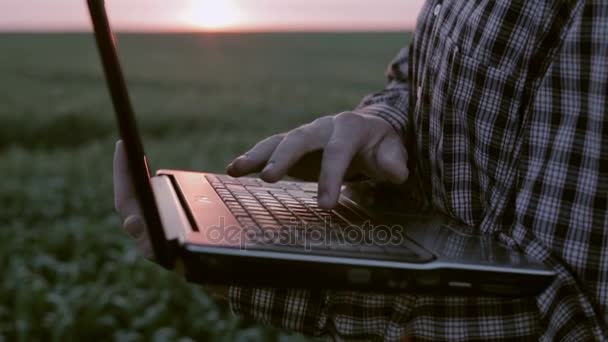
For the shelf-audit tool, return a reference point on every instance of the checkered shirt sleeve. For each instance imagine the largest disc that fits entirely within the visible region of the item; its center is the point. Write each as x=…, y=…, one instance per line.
x=392, y=103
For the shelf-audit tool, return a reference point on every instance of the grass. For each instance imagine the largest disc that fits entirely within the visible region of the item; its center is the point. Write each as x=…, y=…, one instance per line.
x=67, y=270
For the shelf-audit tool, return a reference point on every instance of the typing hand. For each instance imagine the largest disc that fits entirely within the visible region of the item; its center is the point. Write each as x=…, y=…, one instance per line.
x=352, y=144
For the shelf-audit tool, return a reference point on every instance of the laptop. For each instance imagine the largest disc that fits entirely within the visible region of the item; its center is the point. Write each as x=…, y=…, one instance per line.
x=221, y=230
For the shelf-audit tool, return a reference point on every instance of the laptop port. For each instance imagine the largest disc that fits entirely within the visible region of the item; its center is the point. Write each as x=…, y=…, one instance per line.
x=426, y=281
x=460, y=284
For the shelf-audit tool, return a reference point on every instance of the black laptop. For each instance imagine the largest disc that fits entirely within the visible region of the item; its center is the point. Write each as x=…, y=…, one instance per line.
x=222, y=230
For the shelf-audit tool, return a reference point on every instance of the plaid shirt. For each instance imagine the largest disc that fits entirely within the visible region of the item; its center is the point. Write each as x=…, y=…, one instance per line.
x=503, y=105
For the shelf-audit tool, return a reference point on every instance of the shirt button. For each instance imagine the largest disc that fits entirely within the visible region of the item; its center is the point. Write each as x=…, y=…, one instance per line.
x=437, y=9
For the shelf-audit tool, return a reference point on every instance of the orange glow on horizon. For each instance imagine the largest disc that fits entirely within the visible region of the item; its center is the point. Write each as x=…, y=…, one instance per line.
x=212, y=15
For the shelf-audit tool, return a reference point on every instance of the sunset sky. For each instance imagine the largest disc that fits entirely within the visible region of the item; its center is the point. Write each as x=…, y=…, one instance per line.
x=213, y=15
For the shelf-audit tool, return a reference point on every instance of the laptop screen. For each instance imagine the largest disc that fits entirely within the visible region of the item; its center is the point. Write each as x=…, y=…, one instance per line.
x=125, y=117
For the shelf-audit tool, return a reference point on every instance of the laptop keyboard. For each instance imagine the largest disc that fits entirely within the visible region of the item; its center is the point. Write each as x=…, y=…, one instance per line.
x=285, y=215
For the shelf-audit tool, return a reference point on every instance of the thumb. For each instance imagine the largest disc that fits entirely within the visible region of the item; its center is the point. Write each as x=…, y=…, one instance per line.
x=134, y=226
x=391, y=159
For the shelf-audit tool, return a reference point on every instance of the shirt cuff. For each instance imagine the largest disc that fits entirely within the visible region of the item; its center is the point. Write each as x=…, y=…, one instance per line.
x=394, y=117
x=297, y=310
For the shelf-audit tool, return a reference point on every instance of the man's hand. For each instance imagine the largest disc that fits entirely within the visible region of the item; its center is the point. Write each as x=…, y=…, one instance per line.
x=352, y=144
x=126, y=204
x=131, y=214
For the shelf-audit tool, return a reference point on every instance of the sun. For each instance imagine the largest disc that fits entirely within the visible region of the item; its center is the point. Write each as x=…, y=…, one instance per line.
x=212, y=14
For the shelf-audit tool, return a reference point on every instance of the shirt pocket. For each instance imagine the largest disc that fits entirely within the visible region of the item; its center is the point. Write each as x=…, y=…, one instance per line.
x=483, y=105
x=476, y=106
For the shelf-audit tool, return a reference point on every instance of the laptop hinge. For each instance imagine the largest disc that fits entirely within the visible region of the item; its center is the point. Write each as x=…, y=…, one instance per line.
x=173, y=217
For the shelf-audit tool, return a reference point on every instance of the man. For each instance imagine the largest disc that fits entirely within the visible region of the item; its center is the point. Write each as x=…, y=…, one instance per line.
x=501, y=107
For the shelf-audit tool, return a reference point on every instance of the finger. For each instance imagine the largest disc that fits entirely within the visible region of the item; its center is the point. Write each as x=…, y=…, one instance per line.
x=391, y=160
x=295, y=145
x=338, y=154
x=135, y=227
x=254, y=159
x=125, y=200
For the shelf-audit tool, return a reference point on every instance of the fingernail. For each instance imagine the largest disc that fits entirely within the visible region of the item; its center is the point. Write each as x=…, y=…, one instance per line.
x=236, y=160
x=324, y=200
x=134, y=226
x=268, y=167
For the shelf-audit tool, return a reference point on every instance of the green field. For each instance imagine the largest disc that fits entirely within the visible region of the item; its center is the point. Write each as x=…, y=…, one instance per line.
x=67, y=270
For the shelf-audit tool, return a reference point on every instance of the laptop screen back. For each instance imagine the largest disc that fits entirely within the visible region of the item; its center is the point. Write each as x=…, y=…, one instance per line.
x=138, y=165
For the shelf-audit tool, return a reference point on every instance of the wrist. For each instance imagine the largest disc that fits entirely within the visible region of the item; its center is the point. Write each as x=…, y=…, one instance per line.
x=395, y=118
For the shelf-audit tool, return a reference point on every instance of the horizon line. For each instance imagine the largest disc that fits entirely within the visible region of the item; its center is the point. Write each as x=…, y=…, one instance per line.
x=218, y=31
